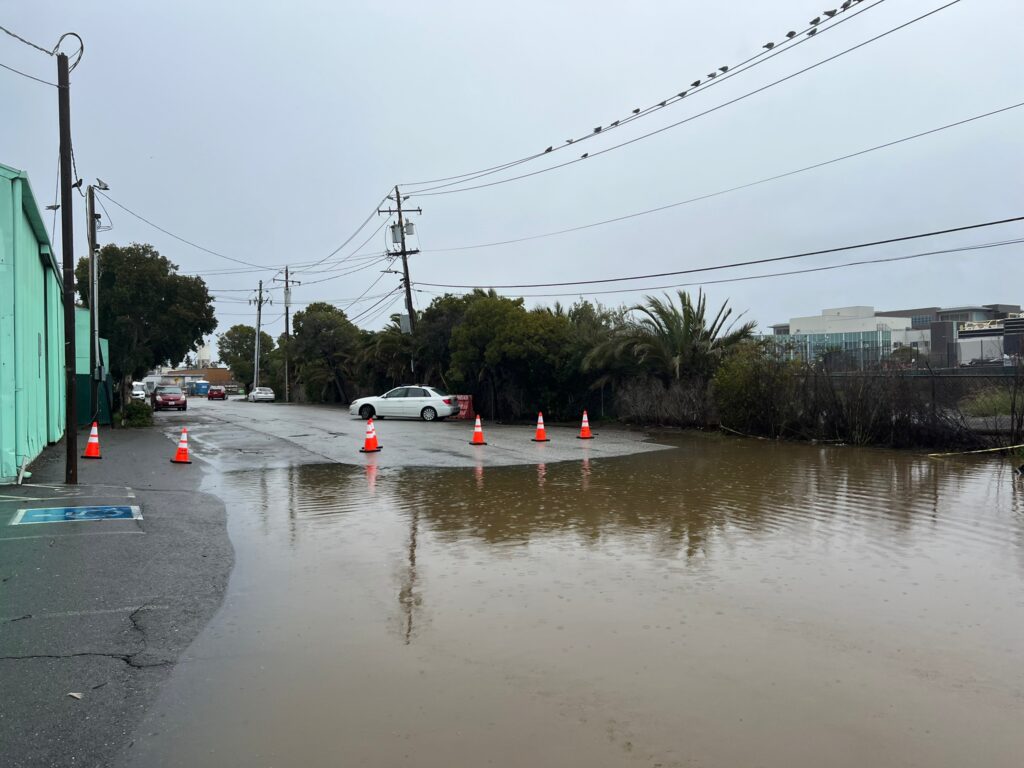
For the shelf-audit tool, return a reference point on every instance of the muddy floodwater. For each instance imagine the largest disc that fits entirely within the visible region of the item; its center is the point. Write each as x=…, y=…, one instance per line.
x=726, y=603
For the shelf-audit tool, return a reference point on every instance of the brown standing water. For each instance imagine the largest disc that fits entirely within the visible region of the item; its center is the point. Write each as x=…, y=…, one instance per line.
x=727, y=603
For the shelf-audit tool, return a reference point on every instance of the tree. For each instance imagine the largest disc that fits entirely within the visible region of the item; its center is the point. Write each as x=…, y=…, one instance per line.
x=237, y=347
x=671, y=342
x=325, y=347
x=150, y=314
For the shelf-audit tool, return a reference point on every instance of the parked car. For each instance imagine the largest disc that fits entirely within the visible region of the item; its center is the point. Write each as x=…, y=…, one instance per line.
x=139, y=392
x=217, y=393
x=261, y=395
x=413, y=402
x=166, y=397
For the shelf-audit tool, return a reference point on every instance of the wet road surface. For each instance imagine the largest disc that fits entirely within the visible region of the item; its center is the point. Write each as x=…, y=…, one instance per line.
x=723, y=603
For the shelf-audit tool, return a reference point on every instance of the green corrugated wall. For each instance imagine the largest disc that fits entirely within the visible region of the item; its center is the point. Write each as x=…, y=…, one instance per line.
x=31, y=330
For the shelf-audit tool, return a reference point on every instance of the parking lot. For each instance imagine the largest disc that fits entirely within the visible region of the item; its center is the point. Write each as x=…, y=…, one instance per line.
x=235, y=434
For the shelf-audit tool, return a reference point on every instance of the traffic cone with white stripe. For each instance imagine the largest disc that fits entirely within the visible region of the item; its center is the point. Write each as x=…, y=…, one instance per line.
x=92, y=449
x=478, y=434
x=181, y=457
x=370, y=445
x=541, y=436
x=585, y=429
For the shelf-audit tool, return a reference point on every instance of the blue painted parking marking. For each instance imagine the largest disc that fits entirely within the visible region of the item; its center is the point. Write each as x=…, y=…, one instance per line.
x=71, y=514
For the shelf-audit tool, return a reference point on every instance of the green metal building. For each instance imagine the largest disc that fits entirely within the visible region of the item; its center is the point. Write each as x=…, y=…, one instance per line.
x=31, y=330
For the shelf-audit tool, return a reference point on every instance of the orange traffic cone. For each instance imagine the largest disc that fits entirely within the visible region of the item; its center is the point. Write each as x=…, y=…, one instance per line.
x=585, y=429
x=541, y=436
x=478, y=434
x=181, y=457
x=92, y=449
x=370, y=445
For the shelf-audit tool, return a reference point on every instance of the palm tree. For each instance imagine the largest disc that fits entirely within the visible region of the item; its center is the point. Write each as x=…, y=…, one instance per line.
x=672, y=342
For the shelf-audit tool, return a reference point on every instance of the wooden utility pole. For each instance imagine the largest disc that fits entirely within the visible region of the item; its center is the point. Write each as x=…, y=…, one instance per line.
x=259, y=301
x=94, y=355
x=287, y=325
x=404, y=253
x=68, y=259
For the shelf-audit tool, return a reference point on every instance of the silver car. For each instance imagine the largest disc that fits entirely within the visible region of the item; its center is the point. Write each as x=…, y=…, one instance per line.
x=411, y=402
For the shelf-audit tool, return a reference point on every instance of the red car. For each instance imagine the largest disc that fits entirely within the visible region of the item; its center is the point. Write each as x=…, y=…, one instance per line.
x=217, y=393
x=169, y=397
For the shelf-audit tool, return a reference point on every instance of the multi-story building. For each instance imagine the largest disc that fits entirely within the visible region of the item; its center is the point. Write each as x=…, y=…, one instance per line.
x=941, y=336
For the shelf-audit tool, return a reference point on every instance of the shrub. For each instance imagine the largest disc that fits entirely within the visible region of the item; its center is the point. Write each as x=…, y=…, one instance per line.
x=137, y=413
x=987, y=402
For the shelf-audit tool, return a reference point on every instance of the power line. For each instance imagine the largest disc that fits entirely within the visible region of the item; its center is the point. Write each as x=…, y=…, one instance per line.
x=26, y=74
x=744, y=278
x=804, y=254
x=440, y=191
x=29, y=43
x=349, y=272
x=737, y=188
x=351, y=237
x=770, y=51
x=179, y=237
x=378, y=313
x=396, y=294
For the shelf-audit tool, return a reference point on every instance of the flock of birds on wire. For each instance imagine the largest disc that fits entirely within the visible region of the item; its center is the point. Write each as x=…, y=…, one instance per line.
x=825, y=16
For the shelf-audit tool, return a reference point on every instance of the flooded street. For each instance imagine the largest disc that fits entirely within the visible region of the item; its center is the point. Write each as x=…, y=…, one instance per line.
x=724, y=603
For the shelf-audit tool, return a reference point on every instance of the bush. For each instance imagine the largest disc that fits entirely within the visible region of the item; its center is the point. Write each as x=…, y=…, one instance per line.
x=137, y=413
x=987, y=402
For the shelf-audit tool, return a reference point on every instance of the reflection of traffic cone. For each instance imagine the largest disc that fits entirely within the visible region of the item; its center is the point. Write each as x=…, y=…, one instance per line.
x=181, y=457
x=371, y=477
x=92, y=449
x=585, y=429
x=370, y=445
x=541, y=436
x=478, y=434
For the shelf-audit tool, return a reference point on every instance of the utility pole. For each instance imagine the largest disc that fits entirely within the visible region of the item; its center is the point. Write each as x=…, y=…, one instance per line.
x=259, y=301
x=287, y=327
x=94, y=336
x=404, y=252
x=68, y=259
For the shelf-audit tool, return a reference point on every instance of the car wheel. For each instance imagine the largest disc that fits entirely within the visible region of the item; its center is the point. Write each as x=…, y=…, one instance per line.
x=428, y=414
x=366, y=412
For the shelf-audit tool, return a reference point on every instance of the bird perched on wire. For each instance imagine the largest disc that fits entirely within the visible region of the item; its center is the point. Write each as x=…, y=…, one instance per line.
x=723, y=70
x=846, y=5
x=614, y=124
x=695, y=83
x=712, y=75
x=682, y=93
x=598, y=129
x=812, y=32
x=662, y=103
x=815, y=21
x=831, y=13
x=768, y=46
x=636, y=111
x=584, y=156
x=791, y=34
x=569, y=141
x=549, y=149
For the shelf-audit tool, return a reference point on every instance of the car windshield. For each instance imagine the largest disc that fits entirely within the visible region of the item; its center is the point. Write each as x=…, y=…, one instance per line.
x=168, y=390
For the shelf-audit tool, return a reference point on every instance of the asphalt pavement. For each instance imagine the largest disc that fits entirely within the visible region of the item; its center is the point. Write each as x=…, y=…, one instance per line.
x=104, y=609
x=101, y=608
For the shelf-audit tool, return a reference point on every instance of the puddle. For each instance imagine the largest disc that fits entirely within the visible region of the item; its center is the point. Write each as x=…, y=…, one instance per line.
x=724, y=604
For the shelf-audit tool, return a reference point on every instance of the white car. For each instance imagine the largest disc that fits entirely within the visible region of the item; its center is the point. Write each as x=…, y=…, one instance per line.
x=412, y=402
x=139, y=393
x=261, y=395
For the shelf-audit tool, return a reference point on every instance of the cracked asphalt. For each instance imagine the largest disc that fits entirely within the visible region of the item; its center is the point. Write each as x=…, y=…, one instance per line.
x=101, y=608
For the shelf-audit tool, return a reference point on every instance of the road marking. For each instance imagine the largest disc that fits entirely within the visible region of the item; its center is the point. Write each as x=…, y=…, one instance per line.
x=38, y=515
x=69, y=535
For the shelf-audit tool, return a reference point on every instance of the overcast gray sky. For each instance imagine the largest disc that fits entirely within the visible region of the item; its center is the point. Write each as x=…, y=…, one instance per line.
x=267, y=131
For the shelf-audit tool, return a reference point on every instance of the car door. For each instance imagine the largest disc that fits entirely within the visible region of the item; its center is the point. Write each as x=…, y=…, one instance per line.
x=416, y=399
x=392, y=402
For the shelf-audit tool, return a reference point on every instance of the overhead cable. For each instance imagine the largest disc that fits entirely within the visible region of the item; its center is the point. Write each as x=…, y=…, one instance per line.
x=440, y=191
x=716, y=76
x=823, y=251
x=737, y=188
x=744, y=278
